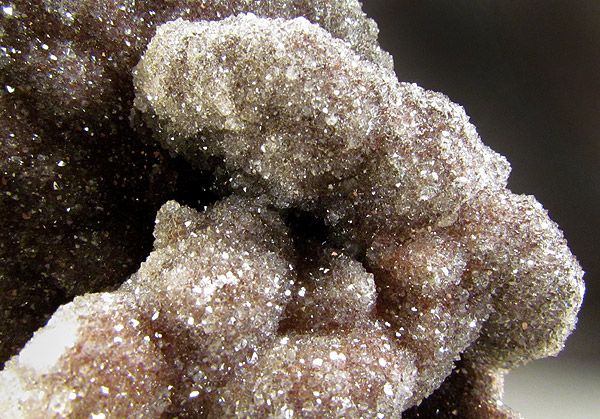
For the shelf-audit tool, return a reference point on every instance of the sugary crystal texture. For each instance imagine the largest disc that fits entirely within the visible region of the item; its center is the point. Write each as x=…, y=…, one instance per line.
x=410, y=284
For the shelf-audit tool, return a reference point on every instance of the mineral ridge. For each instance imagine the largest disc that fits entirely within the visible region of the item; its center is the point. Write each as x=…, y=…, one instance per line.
x=368, y=261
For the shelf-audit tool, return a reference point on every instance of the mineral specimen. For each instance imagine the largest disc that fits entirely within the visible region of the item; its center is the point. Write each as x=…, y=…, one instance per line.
x=368, y=261
x=78, y=186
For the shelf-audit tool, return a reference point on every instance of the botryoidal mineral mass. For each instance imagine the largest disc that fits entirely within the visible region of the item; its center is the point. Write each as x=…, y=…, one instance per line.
x=364, y=259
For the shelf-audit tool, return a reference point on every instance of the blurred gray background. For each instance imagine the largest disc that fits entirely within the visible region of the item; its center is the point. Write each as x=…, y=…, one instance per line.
x=528, y=74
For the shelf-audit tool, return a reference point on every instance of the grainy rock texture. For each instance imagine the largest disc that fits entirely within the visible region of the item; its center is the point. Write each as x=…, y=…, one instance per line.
x=78, y=186
x=369, y=260
x=297, y=114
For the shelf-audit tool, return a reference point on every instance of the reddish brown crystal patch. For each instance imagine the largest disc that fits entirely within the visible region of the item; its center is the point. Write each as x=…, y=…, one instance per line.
x=357, y=373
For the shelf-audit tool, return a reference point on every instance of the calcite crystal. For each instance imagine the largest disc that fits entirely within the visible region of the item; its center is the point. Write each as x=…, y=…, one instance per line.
x=368, y=260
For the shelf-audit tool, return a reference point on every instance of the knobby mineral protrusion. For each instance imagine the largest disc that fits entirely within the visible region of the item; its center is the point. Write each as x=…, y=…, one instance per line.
x=411, y=256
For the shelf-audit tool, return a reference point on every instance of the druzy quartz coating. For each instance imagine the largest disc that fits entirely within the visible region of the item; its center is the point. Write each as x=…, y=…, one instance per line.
x=365, y=258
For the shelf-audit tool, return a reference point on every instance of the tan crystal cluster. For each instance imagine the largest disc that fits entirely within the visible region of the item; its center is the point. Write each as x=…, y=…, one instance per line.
x=368, y=261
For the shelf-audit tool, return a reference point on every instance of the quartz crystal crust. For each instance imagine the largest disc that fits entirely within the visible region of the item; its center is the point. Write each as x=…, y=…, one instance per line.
x=78, y=185
x=368, y=260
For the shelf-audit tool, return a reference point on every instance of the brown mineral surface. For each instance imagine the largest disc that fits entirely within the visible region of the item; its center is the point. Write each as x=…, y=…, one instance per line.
x=344, y=244
x=79, y=186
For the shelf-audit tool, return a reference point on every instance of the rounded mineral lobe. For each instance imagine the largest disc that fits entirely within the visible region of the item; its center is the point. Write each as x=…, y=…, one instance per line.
x=95, y=356
x=361, y=373
x=434, y=302
x=215, y=287
x=314, y=126
x=276, y=112
x=538, y=281
x=331, y=293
